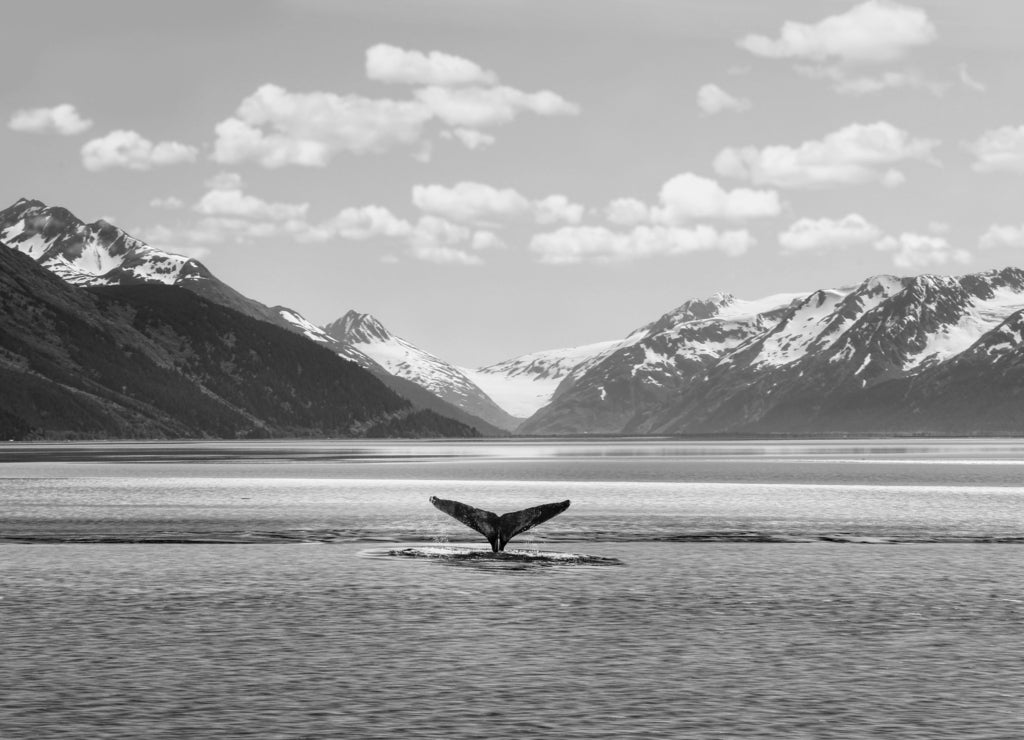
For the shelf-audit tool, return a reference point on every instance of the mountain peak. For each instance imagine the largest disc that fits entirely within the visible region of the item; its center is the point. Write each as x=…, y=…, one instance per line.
x=356, y=327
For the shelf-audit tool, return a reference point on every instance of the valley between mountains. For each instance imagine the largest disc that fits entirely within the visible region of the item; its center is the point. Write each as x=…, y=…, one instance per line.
x=102, y=335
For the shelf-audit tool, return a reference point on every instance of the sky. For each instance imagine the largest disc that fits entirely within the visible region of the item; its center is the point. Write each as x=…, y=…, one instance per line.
x=496, y=177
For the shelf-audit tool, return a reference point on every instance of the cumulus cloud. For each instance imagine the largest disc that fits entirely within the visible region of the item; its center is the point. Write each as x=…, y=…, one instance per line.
x=839, y=47
x=688, y=196
x=62, y=119
x=224, y=181
x=230, y=216
x=814, y=235
x=627, y=212
x=470, y=201
x=555, y=208
x=170, y=203
x=474, y=202
x=712, y=99
x=276, y=127
x=999, y=235
x=359, y=224
x=575, y=244
x=476, y=107
x=386, y=63
x=469, y=138
x=233, y=202
x=916, y=251
x=999, y=150
x=487, y=240
x=130, y=150
x=872, y=32
x=852, y=155
x=437, y=240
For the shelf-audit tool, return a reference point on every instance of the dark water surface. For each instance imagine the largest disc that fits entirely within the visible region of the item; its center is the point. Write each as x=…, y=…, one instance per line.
x=779, y=590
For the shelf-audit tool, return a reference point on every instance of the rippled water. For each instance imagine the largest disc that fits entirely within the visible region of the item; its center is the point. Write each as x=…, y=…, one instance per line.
x=745, y=605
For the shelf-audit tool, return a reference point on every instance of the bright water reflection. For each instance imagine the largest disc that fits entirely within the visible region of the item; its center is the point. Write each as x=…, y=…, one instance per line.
x=800, y=638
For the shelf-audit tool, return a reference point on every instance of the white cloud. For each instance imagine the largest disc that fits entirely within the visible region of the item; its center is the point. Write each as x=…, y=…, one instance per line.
x=386, y=63
x=128, y=149
x=475, y=107
x=575, y=244
x=893, y=178
x=813, y=235
x=712, y=99
x=555, y=208
x=170, y=203
x=999, y=235
x=470, y=138
x=365, y=222
x=847, y=82
x=275, y=127
x=474, y=202
x=688, y=196
x=855, y=154
x=915, y=251
x=969, y=81
x=872, y=32
x=627, y=212
x=435, y=240
x=999, y=150
x=224, y=181
x=487, y=240
x=470, y=201
x=223, y=202
x=62, y=119
x=430, y=239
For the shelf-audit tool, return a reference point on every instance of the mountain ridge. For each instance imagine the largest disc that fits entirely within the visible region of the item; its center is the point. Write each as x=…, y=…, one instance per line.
x=145, y=361
x=100, y=254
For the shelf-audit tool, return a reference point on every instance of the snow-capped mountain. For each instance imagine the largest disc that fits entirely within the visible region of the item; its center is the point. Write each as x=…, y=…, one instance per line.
x=361, y=335
x=525, y=384
x=785, y=363
x=650, y=366
x=99, y=253
x=90, y=254
x=890, y=354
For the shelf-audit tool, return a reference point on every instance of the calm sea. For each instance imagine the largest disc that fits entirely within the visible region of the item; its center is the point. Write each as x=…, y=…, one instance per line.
x=825, y=589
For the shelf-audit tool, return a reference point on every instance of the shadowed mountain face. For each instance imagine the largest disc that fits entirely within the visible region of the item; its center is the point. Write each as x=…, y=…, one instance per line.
x=888, y=355
x=100, y=254
x=157, y=361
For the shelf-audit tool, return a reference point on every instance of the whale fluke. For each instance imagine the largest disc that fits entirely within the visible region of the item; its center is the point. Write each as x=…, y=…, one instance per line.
x=499, y=529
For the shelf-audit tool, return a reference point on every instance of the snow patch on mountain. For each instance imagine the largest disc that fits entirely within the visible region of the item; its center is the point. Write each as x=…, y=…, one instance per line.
x=306, y=327
x=524, y=384
x=740, y=310
x=365, y=335
x=790, y=340
x=980, y=316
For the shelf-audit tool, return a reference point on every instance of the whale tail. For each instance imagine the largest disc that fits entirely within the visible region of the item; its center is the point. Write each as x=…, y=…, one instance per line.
x=499, y=529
